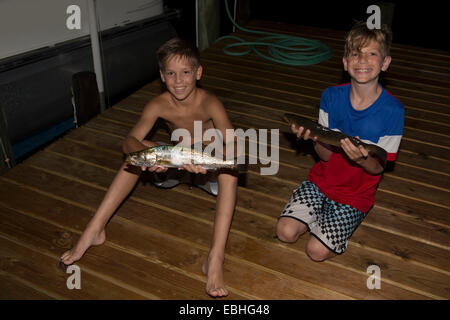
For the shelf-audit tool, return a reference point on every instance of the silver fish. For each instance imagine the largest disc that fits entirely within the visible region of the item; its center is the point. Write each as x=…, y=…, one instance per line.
x=175, y=157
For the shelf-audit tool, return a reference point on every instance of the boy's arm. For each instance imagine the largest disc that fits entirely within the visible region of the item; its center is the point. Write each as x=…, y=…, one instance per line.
x=219, y=116
x=133, y=142
x=361, y=156
x=135, y=139
x=323, y=150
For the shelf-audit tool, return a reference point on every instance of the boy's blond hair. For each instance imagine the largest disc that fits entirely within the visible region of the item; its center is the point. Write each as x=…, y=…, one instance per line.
x=360, y=36
x=178, y=47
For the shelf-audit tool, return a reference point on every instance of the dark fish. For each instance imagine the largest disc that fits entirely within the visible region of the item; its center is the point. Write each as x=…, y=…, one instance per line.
x=332, y=137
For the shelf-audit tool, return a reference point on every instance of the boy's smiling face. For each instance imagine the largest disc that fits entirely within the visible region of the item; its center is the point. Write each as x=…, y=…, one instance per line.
x=180, y=77
x=365, y=66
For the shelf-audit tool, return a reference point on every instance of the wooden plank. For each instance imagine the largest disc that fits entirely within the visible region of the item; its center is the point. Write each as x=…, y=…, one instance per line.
x=160, y=198
x=144, y=272
x=317, y=74
x=323, y=75
x=27, y=262
x=13, y=288
x=429, y=67
x=309, y=86
x=152, y=279
x=167, y=249
x=409, y=98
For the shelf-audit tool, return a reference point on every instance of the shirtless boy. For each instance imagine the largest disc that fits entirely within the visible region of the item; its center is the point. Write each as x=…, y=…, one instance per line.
x=179, y=106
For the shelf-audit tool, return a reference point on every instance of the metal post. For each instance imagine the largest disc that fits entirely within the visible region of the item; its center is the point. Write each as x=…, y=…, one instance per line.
x=95, y=44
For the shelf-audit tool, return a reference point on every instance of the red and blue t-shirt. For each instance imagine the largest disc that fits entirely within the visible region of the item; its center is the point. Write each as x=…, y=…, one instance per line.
x=381, y=123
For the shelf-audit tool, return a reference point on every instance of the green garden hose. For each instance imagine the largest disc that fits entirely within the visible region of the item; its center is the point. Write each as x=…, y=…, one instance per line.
x=284, y=49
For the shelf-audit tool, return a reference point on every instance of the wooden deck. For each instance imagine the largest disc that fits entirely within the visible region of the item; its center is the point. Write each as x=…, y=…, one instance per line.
x=158, y=239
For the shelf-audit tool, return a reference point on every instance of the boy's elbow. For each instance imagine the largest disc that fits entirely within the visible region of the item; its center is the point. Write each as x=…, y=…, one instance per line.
x=126, y=145
x=377, y=169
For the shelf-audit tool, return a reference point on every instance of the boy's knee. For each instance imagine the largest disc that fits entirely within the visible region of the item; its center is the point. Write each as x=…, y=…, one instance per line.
x=317, y=251
x=287, y=231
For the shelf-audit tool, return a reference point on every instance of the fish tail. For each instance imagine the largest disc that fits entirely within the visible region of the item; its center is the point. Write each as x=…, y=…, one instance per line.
x=379, y=152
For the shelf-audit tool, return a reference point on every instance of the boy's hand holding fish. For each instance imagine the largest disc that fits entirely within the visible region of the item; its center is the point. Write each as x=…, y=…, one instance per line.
x=299, y=130
x=355, y=153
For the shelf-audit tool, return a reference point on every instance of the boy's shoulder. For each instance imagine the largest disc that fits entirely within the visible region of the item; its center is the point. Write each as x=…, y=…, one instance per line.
x=158, y=101
x=208, y=100
x=393, y=101
x=207, y=95
x=337, y=89
x=338, y=94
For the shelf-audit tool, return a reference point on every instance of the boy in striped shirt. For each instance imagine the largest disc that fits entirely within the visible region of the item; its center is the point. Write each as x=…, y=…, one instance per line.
x=340, y=188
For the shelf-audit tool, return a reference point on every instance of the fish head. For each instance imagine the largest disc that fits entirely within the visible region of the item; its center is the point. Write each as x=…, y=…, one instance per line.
x=147, y=158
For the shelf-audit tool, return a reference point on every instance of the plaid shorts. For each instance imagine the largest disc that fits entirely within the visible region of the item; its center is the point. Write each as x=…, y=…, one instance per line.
x=332, y=223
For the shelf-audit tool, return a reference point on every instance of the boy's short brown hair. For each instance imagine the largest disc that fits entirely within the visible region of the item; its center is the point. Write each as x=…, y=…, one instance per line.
x=359, y=36
x=178, y=47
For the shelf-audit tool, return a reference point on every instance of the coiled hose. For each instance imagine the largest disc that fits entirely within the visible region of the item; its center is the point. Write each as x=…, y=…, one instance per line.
x=283, y=49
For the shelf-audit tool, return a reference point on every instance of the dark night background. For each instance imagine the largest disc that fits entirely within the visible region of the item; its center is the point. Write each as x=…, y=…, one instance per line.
x=419, y=23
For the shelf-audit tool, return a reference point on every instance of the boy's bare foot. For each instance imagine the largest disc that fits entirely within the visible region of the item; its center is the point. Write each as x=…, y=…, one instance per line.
x=88, y=238
x=213, y=269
